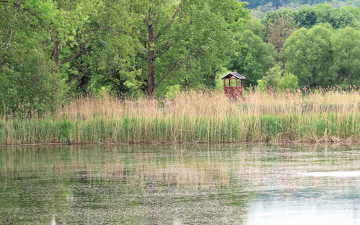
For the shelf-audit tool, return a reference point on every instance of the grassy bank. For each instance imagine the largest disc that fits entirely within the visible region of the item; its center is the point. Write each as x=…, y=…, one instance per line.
x=194, y=117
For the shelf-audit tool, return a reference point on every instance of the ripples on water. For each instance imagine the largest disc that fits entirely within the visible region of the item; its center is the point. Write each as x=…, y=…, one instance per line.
x=190, y=184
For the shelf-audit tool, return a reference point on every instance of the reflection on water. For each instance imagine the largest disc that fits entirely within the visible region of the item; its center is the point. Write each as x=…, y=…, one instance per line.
x=275, y=212
x=334, y=174
x=53, y=220
x=195, y=184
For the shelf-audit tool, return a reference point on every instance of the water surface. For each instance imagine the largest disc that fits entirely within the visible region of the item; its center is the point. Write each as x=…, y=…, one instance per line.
x=188, y=184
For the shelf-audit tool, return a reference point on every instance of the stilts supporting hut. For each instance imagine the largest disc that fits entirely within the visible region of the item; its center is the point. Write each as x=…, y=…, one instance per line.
x=234, y=85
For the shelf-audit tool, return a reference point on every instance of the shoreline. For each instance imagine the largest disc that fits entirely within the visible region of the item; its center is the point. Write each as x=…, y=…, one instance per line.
x=281, y=143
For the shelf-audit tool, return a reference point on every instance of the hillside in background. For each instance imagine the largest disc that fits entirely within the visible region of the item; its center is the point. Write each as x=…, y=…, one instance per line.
x=279, y=3
x=261, y=7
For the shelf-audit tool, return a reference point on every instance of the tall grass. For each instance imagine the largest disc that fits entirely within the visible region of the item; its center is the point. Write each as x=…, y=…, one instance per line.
x=195, y=117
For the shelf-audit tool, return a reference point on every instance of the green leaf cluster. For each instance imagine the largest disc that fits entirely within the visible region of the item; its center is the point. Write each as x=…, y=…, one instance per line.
x=323, y=57
x=278, y=80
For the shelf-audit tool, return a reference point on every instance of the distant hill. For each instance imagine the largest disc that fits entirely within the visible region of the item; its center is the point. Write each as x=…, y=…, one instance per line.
x=278, y=3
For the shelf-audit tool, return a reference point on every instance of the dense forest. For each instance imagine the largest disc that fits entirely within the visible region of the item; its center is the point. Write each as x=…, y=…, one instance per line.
x=52, y=50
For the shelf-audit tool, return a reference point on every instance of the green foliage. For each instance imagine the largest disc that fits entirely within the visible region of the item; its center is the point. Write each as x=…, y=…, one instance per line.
x=308, y=54
x=323, y=57
x=256, y=26
x=309, y=16
x=103, y=46
x=28, y=85
x=55, y=48
x=36, y=40
x=336, y=17
x=253, y=57
x=262, y=85
x=287, y=82
x=306, y=17
x=346, y=50
x=108, y=51
x=194, y=48
x=279, y=25
x=277, y=80
x=172, y=91
x=191, y=40
x=274, y=16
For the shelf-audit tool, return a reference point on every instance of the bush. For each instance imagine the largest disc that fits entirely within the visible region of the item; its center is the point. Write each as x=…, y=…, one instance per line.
x=287, y=82
x=172, y=91
x=278, y=80
x=29, y=85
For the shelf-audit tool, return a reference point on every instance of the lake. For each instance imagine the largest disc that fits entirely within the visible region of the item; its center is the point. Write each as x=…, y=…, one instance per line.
x=182, y=184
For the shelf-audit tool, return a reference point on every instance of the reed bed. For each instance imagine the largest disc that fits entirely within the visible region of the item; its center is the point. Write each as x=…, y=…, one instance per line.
x=331, y=116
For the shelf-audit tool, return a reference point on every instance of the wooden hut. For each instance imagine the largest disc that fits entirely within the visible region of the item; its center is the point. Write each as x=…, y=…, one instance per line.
x=234, y=85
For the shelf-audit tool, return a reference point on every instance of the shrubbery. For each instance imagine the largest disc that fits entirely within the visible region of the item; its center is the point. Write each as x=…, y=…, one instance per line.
x=30, y=86
x=278, y=80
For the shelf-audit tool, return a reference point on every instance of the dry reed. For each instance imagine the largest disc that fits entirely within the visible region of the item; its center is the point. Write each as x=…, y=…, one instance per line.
x=330, y=116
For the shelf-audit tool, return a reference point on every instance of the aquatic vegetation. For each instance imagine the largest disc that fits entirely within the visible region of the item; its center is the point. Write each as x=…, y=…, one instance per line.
x=195, y=117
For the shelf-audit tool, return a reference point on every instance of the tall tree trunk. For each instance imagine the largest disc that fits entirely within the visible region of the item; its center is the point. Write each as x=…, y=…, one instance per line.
x=55, y=55
x=151, y=57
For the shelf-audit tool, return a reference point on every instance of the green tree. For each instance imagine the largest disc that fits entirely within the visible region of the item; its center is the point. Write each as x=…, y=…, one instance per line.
x=346, y=48
x=192, y=49
x=30, y=82
x=278, y=80
x=108, y=58
x=279, y=25
x=253, y=57
x=306, y=17
x=336, y=17
x=151, y=45
x=308, y=54
x=182, y=42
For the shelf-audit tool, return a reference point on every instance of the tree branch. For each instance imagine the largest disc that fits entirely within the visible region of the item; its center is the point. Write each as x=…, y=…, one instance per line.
x=77, y=54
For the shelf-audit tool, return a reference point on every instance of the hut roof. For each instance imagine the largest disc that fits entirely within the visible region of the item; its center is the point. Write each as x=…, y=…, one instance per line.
x=235, y=75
